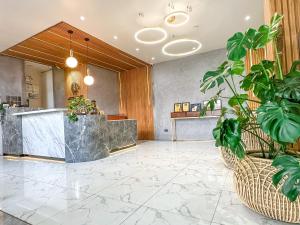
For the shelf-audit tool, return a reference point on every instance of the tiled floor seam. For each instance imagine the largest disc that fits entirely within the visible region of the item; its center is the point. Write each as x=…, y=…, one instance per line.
x=212, y=219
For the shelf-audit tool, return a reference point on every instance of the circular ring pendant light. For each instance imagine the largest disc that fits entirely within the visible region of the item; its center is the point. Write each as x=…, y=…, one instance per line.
x=172, y=43
x=151, y=29
x=170, y=19
x=71, y=61
x=88, y=79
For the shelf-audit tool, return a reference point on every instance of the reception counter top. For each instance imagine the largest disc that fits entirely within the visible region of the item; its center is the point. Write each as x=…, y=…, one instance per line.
x=49, y=133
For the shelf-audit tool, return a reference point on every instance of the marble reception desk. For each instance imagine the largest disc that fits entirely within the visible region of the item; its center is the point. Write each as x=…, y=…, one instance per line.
x=49, y=133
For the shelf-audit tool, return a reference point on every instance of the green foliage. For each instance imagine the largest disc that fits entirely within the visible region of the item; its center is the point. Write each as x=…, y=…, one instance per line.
x=289, y=87
x=214, y=78
x=279, y=113
x=238, y=44
x=78, y=105
x=237, y=99
x=228, y=134
x=211, y=104
x=289, y=174
x=1, y=108
x=260, y=81
x=280, y=120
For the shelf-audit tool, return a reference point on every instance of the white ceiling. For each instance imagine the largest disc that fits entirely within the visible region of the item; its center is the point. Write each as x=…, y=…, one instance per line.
x=212, y=22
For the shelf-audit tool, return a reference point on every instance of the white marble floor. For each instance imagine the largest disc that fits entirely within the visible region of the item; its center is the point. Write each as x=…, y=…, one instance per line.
x=154, y=183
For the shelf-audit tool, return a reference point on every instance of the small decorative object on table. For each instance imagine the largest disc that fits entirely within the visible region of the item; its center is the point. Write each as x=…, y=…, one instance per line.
x=185, y=106
x=196, y=107
x=177, y=107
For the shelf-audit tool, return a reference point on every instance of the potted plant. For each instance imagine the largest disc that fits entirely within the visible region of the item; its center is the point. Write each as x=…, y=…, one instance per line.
x=267, y=181
x=79, y=106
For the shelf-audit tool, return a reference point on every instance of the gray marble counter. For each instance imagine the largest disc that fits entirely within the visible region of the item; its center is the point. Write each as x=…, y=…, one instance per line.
x=49, y=133
x=87, y=139
x=12, y=131
x=122, y=133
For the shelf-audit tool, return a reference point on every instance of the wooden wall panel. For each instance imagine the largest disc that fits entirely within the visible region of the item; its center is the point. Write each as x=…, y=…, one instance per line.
x=289, y=43
x=136, y=99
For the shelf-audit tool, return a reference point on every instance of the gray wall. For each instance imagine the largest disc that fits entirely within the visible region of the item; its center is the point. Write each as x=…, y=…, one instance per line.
x=59, y=88
x=11, y=77
x=179, y=81
x=105, y=90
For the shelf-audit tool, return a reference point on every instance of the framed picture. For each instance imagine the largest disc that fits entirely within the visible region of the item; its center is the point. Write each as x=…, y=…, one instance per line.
x=177, y=107
x=186, y=106
x=196, y=107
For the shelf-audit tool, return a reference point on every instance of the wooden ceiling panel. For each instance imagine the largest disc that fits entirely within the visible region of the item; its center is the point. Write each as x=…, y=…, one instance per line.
x=51, y=47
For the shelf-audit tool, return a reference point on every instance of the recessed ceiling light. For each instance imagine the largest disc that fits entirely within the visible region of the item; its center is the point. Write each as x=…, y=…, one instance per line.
x=194, y=48
x=171, y=43
x=82, y=18
x=137, y=49
x=155, y=29
x=171, y=19
x=115, y=37
x=247, y=18
x=153, y=58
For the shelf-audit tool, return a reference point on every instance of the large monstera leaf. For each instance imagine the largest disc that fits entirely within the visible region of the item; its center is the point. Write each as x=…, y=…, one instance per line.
x=267, y=33
x=280, y=120
x=289, y=173
x=289, y=88
x=260, y=81
x=228, y=134
x=214, y=78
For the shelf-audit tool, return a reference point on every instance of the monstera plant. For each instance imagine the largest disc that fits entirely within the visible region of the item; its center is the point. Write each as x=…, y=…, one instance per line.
x=278, y=97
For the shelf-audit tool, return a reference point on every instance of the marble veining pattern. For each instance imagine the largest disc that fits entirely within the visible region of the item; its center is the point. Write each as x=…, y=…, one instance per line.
x=43, y=134
x=122, y=133
x=86, y=139
x=12, y=141
x=153, y=183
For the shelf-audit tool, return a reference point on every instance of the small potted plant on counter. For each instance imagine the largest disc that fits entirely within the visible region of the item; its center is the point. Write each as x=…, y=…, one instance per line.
x=79, y=106
x=267, y=181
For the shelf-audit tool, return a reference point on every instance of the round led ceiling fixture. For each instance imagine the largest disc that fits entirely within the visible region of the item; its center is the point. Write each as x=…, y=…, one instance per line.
x=192, y=47
x=177, y=19
x=147, y=35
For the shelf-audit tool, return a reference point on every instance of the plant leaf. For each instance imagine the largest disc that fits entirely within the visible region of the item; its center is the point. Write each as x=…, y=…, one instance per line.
x=214, y=78
x=237, y=68
x=288, y=88
x=289, y=173
x=228, y=134
x=267, y=33
x=236, y=47
x=235, y=100
x=281, y=120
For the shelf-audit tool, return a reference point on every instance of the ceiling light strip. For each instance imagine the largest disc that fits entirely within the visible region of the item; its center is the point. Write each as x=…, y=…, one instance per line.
x=171, y=43
x=147, y=29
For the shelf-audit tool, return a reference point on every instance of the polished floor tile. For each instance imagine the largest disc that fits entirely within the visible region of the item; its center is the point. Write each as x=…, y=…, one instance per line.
x=6, y=219
x=153, y=183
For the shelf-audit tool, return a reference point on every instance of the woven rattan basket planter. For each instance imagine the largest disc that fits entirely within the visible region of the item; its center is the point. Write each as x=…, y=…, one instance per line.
x=228, y=157
x=253, y=182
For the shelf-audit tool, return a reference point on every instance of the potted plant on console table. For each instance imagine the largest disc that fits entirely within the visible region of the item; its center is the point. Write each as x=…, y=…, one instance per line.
x=79, y=106
x=267, y=181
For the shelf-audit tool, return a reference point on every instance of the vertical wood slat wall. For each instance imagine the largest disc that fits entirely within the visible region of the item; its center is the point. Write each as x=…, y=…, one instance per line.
x=136, y=99
x=291, y=29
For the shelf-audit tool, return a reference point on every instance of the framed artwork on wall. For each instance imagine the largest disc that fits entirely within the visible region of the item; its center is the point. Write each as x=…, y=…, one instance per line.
x=196, y=107
x=177, y=107
x=186, y=106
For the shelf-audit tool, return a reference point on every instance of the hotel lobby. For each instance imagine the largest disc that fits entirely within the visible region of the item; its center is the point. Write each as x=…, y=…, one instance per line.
x=150, y=112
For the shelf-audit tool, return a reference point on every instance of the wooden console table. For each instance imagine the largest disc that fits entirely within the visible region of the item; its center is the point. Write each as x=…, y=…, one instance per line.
x=173, y=123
